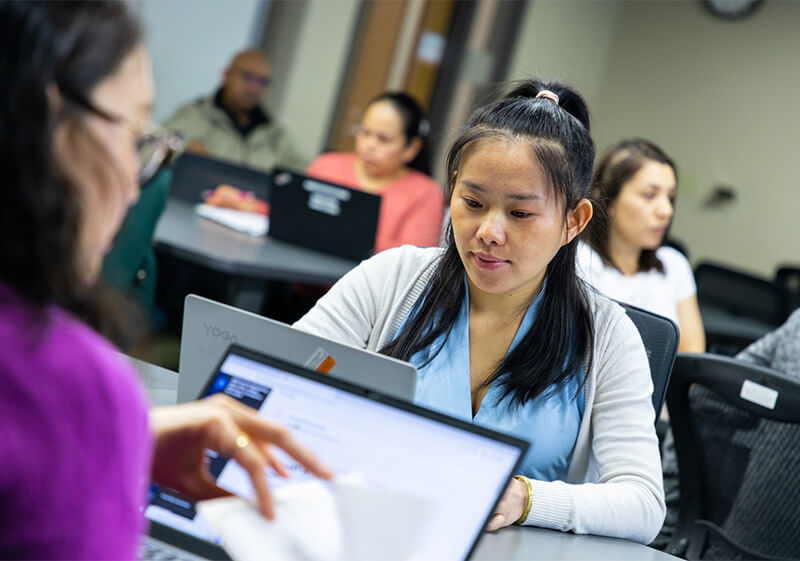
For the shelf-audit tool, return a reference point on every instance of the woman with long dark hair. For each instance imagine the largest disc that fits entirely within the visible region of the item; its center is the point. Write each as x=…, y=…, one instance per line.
x=79, y=447
x=391, y=159
x=504, y=333
x=625, y=256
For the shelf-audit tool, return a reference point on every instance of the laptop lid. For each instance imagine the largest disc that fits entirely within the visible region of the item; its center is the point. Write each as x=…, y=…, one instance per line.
x=460, y=468
x=194, y=174
x=209, y=327
x=322, y=216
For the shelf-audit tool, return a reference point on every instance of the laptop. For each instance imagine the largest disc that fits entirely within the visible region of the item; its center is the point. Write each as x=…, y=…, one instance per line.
x=322, y=216
x=396, y=445
x=194, y=174
x=209, y=327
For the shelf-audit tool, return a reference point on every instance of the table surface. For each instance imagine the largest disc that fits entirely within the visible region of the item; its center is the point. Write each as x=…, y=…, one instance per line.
x=513, y=543
x=181, y=233
x=523, y=543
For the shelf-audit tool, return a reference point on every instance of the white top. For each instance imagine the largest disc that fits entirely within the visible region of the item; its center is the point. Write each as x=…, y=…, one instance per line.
x=614, y=484
x=653, y=291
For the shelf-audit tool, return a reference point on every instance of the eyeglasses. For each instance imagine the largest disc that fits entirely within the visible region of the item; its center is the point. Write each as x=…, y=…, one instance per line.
x=359, y=130
x=154, y=143
x=255, y=79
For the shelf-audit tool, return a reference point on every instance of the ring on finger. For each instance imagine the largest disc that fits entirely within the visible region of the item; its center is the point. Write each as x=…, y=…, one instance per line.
x=242, y=440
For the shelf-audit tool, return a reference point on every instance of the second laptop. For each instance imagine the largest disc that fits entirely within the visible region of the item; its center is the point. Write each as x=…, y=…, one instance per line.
x=323, y=216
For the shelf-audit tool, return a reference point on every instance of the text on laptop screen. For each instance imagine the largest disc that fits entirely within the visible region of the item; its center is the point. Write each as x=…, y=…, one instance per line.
x=459, y=472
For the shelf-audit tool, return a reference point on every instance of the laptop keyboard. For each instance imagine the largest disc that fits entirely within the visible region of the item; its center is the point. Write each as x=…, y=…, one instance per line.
x=153, y=550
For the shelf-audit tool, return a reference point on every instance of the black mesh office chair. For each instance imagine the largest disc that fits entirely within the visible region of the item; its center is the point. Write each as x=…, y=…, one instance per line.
x=788, y=278
x=737, y=438
x=730, y=299
x=660, y=338
x=740, y=293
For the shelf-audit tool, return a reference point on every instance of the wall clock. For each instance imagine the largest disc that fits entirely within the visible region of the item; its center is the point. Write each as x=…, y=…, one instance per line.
x=732, y=9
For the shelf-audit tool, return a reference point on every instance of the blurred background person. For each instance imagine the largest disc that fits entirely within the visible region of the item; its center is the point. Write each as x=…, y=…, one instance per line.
x=232, y=124
x=391, y=160
x=624, y=256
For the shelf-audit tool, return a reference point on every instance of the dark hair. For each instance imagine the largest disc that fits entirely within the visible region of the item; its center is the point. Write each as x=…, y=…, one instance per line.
x=616, y=168
x=562, y=334
x=60, y=48
x=415, y=125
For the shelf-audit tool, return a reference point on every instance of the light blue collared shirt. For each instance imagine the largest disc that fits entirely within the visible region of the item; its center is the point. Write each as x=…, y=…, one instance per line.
x=550, y=422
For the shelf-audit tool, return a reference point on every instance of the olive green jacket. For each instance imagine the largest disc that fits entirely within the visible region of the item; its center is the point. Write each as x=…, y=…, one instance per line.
x=264, y=147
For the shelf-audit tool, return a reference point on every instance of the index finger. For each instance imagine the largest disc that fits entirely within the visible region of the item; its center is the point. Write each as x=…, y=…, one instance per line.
x=266, y=431
x=251, y=460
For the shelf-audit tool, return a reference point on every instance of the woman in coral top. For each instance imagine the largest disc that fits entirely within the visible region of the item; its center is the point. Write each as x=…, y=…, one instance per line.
x=390, y=160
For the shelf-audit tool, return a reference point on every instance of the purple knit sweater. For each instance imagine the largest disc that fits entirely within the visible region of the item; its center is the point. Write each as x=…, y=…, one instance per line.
x=74, y=440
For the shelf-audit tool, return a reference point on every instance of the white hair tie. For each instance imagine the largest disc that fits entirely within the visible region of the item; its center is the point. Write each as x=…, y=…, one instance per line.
x=547, y=94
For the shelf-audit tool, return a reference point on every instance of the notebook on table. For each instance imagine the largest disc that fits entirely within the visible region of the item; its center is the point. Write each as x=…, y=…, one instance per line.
x=209, y=327
x=394, y=444
x=323, y=216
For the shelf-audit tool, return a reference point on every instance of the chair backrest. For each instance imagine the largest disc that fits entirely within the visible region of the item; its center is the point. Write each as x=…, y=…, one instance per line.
x=737, y=439
x=660, y=338
x=788, y=278
x=740, y=293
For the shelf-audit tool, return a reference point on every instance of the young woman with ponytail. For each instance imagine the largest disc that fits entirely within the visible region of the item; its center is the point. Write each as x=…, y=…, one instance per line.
x=503, y=331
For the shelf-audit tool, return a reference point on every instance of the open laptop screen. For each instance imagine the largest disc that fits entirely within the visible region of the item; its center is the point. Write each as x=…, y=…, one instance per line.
x=460, y=468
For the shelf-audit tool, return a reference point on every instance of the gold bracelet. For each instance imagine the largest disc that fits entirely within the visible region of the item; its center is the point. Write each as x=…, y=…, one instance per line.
x=527, y=510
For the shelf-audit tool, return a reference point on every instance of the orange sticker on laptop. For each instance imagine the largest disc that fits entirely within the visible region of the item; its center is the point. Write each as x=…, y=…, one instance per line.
x=326, y=365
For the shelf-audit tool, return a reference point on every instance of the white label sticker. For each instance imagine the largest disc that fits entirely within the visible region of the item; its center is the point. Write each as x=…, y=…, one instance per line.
x=339, y=193
x=758, y=394
x=316, y=359
x=324, y=204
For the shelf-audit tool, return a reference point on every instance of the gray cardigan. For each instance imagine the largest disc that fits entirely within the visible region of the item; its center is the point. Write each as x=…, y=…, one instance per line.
x=614, y=485
x=779, y=349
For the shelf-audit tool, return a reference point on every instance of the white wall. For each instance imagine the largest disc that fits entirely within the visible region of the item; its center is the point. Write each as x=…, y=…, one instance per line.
x=566, y=40
x=318, y=64
x=719, y=96
x=191, y=42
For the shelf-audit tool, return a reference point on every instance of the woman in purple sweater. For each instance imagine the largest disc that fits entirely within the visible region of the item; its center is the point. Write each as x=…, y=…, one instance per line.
x=78, y=444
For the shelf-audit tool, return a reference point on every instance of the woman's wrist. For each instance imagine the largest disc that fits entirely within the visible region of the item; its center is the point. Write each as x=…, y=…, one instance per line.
x=529, y=500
